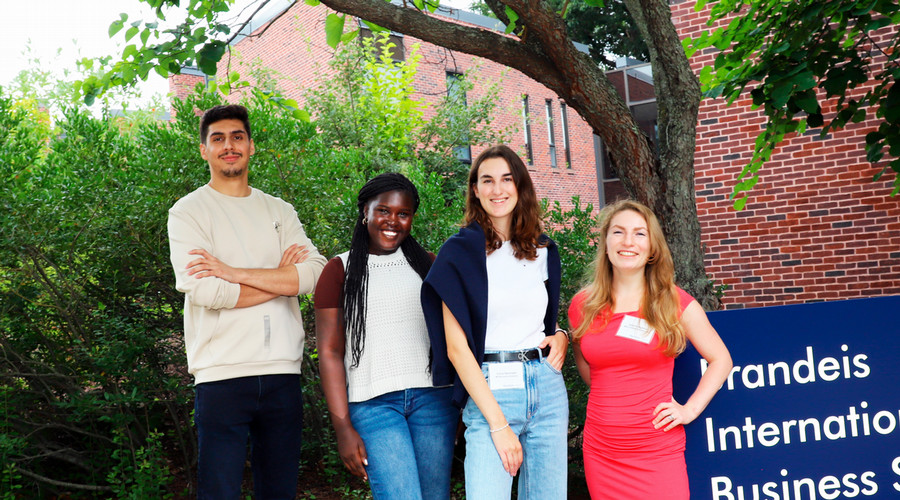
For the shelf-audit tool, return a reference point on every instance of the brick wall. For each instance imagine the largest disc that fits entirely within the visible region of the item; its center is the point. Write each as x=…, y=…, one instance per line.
x=294, y=46
x=816, y=227
x=182, y=85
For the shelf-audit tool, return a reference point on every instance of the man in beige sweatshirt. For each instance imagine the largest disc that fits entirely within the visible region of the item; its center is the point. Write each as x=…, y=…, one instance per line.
x=241, y=258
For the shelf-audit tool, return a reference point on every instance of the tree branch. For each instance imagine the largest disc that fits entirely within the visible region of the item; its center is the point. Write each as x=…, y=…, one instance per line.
x=64, y=484
x=475, y=41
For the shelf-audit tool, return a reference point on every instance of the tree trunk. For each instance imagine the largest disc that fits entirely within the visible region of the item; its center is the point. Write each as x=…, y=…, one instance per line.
x=678, y=100
x=543, y=51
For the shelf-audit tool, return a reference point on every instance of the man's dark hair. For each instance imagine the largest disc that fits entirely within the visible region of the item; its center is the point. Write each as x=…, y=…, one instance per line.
x=225, y=112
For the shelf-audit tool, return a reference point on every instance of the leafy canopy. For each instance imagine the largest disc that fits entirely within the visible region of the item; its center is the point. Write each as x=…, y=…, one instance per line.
x=201, y=40
x=802, y=61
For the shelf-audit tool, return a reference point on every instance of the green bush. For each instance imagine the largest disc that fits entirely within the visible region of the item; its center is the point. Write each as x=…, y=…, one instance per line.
x=95, y=399
x=90, y=367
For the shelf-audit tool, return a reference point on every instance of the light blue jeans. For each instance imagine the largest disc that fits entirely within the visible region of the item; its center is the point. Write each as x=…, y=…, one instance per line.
x=409, y=437
x=539, y=415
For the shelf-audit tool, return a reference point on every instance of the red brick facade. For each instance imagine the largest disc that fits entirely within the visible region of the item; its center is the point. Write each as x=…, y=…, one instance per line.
x=816, y=226
x=294, y=46
x=181, y=86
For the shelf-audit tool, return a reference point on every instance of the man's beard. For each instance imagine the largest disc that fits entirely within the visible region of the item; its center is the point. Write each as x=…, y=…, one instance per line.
x=235, y=172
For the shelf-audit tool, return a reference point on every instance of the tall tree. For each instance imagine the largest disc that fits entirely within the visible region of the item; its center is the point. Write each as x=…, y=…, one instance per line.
x=538, y=45
x=605, y=27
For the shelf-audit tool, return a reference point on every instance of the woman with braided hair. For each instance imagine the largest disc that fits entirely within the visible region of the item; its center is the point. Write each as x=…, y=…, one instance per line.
x=393, y=427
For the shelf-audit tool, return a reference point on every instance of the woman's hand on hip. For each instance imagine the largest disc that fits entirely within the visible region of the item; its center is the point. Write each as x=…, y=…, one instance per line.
x=558, y=344
x=670, y=415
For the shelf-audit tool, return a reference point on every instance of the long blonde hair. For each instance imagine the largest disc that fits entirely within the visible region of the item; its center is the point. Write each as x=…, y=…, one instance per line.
x=660, y=305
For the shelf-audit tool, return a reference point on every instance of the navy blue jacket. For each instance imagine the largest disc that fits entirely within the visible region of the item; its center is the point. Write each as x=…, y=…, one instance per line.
x=458, y=278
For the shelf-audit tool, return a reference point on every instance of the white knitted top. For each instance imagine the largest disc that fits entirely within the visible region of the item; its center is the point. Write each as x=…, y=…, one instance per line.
x=395, y=353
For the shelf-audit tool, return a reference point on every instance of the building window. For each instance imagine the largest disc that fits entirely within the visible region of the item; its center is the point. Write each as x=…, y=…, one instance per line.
x=551, y=137
x=564, y=118
x=609, y=187
x=456, y=93
x=395, y=39
x=526, y=127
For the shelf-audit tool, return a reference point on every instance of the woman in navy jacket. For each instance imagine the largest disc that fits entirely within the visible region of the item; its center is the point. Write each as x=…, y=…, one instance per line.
x=491, y=302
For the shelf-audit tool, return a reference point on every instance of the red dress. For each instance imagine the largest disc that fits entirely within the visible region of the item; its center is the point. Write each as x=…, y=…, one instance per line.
x=624, y=456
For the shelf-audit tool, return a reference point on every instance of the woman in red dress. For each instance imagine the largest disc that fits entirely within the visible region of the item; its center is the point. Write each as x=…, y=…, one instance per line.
x=629, y=324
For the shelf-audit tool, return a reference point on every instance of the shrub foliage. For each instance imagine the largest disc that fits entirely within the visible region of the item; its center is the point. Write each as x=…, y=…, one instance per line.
x=95, y=399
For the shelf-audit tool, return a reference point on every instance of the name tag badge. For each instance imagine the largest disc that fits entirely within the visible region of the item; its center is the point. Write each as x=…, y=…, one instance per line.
x=635, y=329
x=506, y=375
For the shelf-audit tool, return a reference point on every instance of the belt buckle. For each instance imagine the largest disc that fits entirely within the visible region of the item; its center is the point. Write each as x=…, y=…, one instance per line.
x=523, y=355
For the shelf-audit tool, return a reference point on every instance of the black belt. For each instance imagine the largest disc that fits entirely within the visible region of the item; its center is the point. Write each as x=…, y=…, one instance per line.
x=523, y=355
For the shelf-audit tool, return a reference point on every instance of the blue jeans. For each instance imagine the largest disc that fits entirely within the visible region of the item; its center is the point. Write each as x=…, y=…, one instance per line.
x=409, y=438
x=268, y=408
x=539, y=415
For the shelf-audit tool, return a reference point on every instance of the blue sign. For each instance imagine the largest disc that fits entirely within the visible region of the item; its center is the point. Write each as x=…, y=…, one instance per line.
x=811, y=409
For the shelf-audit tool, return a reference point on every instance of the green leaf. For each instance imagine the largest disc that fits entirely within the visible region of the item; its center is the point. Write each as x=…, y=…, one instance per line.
x=334, y=28
x=209, y=56
x=803, y=81
x=130, y=51
x=312, y=3
x=878, y=23
x=874, y=154
x=706, y=74
x=116, y=26
x=595, y=3
x=815, y=120
x=131, y=32
x=374, y=27
x=740, y=203
x=301, y=114
x=513, y=17
x=145, y=35
x=807, y=101
x=891, y=106
x=781, y=48
x=780, y=93
x=874, y=137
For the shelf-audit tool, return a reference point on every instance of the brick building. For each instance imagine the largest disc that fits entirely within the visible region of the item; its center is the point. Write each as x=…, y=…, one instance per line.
x=559, y=144
x=816, y=226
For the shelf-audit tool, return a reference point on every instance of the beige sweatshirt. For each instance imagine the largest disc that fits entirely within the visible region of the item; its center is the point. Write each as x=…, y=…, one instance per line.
x=224, y=342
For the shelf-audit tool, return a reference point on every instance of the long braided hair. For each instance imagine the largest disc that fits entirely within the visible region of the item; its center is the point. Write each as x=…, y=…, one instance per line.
x=356, y=278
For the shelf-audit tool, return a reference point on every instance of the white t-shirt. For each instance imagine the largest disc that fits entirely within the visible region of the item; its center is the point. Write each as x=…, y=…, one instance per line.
x=517, y=300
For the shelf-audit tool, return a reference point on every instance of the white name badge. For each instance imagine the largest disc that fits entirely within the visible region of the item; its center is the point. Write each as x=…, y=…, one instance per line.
x=506, y=375
x=635, y=329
